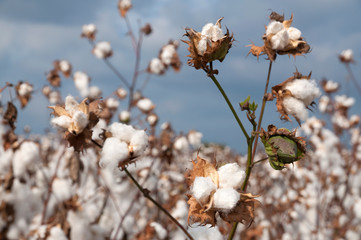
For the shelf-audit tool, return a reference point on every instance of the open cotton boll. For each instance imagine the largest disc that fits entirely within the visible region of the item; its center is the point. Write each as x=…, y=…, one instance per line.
x=195, y=138
x=25, y=89
x=61, y=122
x=62, y=189
x=202, y=188
x=304, y=90
x=212, y=32
x=56, y=233
x=202, y=45
x=124, y=116
x=295, y=107
x=80, y=119
x=280, y=40
x=207, y=232
x=70, y=104
x=294, y=33
x=112, y=103
x=138, y=142
x=122, y=93
x=121, y=131
x=113, y=152
x=274, y=27
x=102, y=49
x=159, y=229
x=344, y=101
x=331, y=86
x=125, y=3
x=145, y=105
x=181, y=144
x=95, y=92
x=64, y=66
x=167, y=53
x=347, y=54
x=25, y=157
x=89, y=29
x=225, y=198
x=81, y=81
x=156, y=66
x=230, y=176
x=323, y=103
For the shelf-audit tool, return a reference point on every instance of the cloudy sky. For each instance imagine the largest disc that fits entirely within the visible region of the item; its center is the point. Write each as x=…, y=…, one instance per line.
x=34, y=33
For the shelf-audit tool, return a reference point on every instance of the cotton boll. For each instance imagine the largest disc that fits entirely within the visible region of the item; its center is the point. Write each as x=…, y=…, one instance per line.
x=89, y=29
x=81, y=81
x=347, y=54
x=202, y=45
x=202, y=188
x=181, y=144
x=98, y=129
x=138, y=142
x=121, y=131
x=62, y=189
x=195, y=138
x=280, y=40
x=25, y=89
x=124, y=116
x=294, y=33
x=70, y=104
x=295, y=107
x=54, y=97
x=112, y=103
x=63, y=121
x=274, y=27
x=212, y=32
x=94, y=92
x=323, y=103
x=167, y=54
x=156, y=66
x=56, y=233
x=145, y=105
x=344, y=101
x=122, y=93
x=331, y=86
x=304, y=89
x=102, y=50
x=113, y=152
x=125, y=3
x=206, y=232
x=231, y=176
x=226, y=198
x=25, y=158
x=160, y=230
x=80, y=120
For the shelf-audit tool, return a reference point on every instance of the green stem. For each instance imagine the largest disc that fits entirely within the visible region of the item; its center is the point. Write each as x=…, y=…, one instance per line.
x=251, y=153
x=230, y=106
x=146, y=195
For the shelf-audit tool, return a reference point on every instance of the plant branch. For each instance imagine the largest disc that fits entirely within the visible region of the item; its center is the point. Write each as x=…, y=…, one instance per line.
x=146, y=195
x=352, y=76
x=230, y=106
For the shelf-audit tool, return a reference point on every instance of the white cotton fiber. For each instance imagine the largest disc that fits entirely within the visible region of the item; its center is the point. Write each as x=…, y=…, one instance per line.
x=160, y=230
x=304, y=89
x=357, y=208
x=167, y=53
x=138, y=142
x=61, y=121
x=344, y=101
x=156, y=66
x=102, y=49
x=280, y=40
x=202, y=188
x=274, y=27
x=121, y=131
x=112, y=103
x=202, y=45
x=206, y=232
x=294, y=33
x=113, y=152
x=347, y=54
x=80, y=119
x=70, y=104
x=57, y=234
x=212, y=32
x=295, y=107
x=226, y=198
x=181, y=144
x=25, y=157
x=62, y=189
x=231, y=176
x=145, y=104
x=195, y=138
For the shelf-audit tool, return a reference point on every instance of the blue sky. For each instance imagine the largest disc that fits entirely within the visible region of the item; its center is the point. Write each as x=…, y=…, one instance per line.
x=34, y=33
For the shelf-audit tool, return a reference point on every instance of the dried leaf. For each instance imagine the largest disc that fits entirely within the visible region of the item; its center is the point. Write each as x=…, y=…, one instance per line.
x=10, y=115
x=196, y=214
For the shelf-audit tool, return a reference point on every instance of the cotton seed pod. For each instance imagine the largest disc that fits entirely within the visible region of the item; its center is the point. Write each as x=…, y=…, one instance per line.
x=282, y=146
x=207, y=46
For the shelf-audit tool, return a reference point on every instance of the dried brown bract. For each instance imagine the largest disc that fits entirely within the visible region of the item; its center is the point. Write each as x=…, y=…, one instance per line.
x=280, y=38
x=23, y=92
x=207, y=46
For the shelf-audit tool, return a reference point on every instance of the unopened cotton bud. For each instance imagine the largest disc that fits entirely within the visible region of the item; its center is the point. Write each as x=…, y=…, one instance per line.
x=102, y=50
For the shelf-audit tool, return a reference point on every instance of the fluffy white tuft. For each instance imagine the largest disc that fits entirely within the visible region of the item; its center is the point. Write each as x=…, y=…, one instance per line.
x=206, y=232
x=304, y=90
x=122, y=93
x=331, y=86
x=70, y=104
x=347, y=54
x=112, y=103
x=57, y=234
x=64, y=66
x=145, y=104
x=294, y=33
x=231, y=176
x=212, y=32
x=195, y=138
x=181, y=144
x=138, y=142
x=25, y=89
x=280, y=40
x=274, y=27
x=25, y=157
x=102, y=49
x=156, y=66
x=202, y=188
x=295, y=107
x=62, y=122
x=202, y=45
x=95, y=92
x=113, y=152
x=167, y=54
x=125, y=3
x=344, y=101
x=62, y=189
x=81, y=81
x=124, y=116
x=80, y=119
x=89, y=29
x=323, y=103
x=159, y=229
x=226, y=198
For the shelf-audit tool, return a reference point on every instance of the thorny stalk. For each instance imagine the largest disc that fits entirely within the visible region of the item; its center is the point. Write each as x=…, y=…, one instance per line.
x=146, y=195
